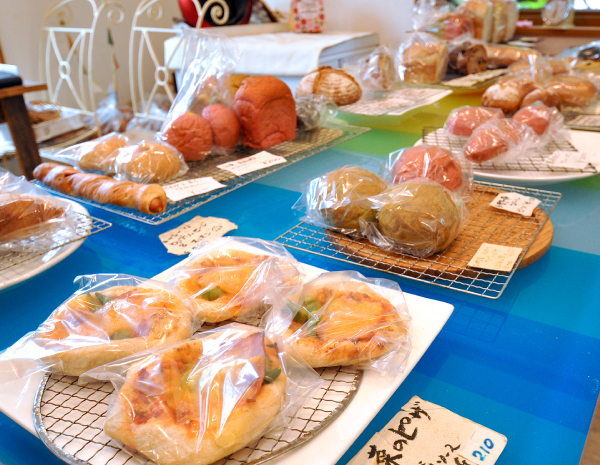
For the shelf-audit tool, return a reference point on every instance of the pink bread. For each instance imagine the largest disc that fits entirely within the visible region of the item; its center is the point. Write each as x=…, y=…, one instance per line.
x=267, y=111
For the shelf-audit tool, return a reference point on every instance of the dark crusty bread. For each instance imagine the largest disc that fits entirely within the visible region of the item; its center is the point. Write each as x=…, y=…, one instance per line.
x=267, y=111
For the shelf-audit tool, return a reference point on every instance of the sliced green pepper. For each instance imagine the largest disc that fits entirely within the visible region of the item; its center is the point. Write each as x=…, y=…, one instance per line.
x=271, y=374
x=121, y=334
x=103, y=298
x=212, y=294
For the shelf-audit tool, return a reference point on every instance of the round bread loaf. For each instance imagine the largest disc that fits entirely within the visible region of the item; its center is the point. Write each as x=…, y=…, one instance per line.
x=149, y=162
x=428, y=162
x=335, y=84
x=223, y=121
x=191, y=135
x=102, y=155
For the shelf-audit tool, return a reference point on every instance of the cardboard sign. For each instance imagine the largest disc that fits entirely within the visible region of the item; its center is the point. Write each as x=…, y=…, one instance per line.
x=495, y=257
x=515, y=203
x=181, y=240
x=424, y=433
x=184, y=189
x=256, y=162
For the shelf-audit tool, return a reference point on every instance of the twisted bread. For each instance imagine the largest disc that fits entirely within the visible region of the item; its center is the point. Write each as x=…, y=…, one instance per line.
x=147, y=198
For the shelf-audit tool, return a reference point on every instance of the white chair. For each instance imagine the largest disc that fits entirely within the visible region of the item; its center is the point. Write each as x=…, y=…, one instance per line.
x=67, y=55
x=148, y=73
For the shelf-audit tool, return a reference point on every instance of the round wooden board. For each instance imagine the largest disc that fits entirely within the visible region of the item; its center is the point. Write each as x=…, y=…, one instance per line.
x=484, y=224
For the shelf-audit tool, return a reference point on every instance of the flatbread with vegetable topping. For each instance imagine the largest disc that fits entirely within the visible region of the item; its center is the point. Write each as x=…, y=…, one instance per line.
x=96, y=328
x=192, y=404
x=345, y=325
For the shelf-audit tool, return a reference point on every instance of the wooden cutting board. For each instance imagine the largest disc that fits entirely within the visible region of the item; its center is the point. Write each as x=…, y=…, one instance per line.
x=484, y=224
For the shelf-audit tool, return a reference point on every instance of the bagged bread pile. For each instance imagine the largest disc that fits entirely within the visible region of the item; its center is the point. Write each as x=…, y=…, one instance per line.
x=420, y=215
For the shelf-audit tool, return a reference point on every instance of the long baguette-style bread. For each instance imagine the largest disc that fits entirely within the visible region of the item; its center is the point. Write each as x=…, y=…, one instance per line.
x=147, y=198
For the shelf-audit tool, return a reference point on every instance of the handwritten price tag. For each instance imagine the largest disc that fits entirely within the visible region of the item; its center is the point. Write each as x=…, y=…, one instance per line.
x=515, y=203
x=484, y=446
x=254, y=163
x=184, y=189
x=181, y=240
x=427, y=434
x=574, y=160
x=588, y=121
x=495, y=257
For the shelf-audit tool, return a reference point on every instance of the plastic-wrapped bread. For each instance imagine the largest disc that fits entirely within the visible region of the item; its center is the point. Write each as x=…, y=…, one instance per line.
x=147, y=198
x=422, y=59
x=481, y=12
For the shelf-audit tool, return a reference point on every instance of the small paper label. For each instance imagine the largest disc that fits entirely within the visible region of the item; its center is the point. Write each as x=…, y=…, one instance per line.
x=471, y=79
x=495, y=257
x=184, y=189
x=484, y=446
x=425, y=433
x=181, y=240
x=587, y=121
x=256, y=162
x=396, y=102
x=515, y=203
x=574, y=160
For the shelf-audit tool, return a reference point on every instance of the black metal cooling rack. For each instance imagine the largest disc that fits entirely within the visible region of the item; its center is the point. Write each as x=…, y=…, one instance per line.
x=69, y=418
x=448, y=268
x=306, y=144
x=17, y=251
x=534, y=160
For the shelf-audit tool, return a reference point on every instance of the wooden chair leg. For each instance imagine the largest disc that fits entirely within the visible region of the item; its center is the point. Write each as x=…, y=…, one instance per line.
x=15, y=112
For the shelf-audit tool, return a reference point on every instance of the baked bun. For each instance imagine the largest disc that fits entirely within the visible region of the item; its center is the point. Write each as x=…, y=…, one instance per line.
x=23, y=215
x=266, y=110
x=547, y=96
x=456, y=25
x=507, y=94
x=423, y=60
x=494, y=139
x=200, y=400
x=428, y=162
x=538, y=117
x=340, y=197
x=335, y=84
x=463, y=121
x=378, y=71
x=224, y=124
x=467, y=58
x=354, y=324
x=572, y=90
x=102, y=155
x=96, y=328
x=148, y=162
x=502, y=56
x=191, y=135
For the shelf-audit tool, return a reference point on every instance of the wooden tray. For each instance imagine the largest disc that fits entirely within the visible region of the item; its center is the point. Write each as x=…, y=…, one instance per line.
x=484, y=224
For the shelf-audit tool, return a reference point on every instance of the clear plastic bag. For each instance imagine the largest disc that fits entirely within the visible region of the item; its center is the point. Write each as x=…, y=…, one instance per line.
x=508, y=93
x=205, y=398
x=544, y=121
x=422, y=59
x=339, y=199
x=96, y=155
x=148, y=162
x=430, y=162
x=343, y=318
x=108, y=318
x=108, y=115
x=482, y=14
x=228, y=276
x=314, y=111
x=31, y=217
x=463, y=121
x=418, y=218
x=501, y=140
x=201, y=117
x=378, y=70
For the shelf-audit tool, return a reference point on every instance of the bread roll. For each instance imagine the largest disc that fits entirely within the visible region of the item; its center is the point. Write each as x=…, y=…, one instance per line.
x=467, y=58
x=335, y=84
x=224, y=124
x=428, y=162
x=191, y=135
x=508, y=94
x=101, y=155
x=537, y=117
x=572, y=90
x=25, y=214
x=495, y=138
x=266, y=110
x=378, y=71
x=148, y=162
x=463, y=121
x=502, y=56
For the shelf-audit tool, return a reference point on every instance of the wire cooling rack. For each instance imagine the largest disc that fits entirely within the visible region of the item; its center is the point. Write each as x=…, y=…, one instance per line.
x=535, y=160
x=80, y=226
x=69, y=419
x=306, y=144
x=449, y=268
